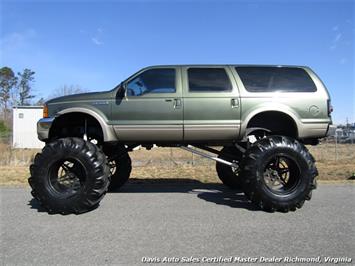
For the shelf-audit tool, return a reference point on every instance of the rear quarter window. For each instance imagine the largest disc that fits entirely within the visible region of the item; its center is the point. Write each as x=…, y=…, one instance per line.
x=272, y=79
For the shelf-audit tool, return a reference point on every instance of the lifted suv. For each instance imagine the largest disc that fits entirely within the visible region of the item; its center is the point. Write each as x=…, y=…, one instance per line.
x=261, y=115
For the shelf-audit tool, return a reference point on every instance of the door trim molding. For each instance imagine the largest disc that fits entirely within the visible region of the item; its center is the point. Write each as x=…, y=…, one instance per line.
x=150, y=132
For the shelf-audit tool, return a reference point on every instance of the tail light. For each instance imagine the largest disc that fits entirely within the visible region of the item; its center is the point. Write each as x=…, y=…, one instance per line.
x=330, y=107
x=45, y=111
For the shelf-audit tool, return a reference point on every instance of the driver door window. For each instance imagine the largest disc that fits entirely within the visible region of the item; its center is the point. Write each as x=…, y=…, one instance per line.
x=152, y=109
x=152, y=81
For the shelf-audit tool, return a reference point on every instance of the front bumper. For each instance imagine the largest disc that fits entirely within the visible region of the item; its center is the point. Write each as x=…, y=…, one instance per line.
x=43, y=127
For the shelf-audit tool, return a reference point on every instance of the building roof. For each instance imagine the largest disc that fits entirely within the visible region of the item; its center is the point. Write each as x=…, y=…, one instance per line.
x=28, y=107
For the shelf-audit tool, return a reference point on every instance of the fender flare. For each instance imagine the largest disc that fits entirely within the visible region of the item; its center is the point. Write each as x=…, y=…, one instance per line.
x=107, y=130
x=276, y=108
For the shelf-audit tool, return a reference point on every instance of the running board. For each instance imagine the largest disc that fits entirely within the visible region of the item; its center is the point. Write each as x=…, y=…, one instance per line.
x=208, y=156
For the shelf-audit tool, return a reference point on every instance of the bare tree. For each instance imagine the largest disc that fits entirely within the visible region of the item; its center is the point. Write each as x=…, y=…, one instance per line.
x=40, y=102
x=67, y=90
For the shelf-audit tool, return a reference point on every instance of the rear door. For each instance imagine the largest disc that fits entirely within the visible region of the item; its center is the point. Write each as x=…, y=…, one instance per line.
x=211, y=103
x=152, y=107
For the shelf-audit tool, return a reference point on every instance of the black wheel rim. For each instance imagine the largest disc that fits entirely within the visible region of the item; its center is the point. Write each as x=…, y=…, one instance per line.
x=113, y=166
x=232, y=154
x=236, y=170
x=281, y=175
x=67, y=177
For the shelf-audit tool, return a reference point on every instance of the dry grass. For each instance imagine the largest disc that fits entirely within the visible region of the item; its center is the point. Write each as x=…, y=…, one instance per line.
x=13, y=175
x=172, y=163
x=16, y=157
x=334, y=162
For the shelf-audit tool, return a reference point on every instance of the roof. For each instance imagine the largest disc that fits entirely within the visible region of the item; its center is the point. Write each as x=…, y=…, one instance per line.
x=28, y=107
x=232, y=65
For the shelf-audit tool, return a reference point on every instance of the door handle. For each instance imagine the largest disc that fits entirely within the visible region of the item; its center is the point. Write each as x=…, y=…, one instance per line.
x=177, y=103
x=235, y=102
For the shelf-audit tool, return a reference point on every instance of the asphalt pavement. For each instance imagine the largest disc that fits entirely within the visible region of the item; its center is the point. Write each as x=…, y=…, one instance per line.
x=181, y=221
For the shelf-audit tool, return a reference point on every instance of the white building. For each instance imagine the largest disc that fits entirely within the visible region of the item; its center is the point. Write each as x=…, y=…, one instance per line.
x=25, y=127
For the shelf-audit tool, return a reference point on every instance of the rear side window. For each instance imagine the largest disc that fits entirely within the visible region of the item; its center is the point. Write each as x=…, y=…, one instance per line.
x=208, y=80
x=270, y=79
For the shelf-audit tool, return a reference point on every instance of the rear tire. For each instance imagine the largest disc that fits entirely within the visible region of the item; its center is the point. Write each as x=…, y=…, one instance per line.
x=229, y=176
x=279, y=174
x=70, y=175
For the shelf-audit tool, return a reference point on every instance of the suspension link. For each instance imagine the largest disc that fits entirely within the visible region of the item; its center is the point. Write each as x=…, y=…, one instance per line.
x=209, y=156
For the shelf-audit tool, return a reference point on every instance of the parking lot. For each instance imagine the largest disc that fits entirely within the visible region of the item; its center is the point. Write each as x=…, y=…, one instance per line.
x=186, y=219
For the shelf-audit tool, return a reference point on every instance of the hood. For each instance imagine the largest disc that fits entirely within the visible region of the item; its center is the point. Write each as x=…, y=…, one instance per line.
x=80, y=97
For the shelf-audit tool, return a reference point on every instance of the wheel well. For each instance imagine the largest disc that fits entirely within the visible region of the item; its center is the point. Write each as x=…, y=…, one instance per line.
x=276, y=123
x=74, y=124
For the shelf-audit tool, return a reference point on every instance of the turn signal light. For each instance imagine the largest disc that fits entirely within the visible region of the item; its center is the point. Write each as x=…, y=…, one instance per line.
x=45, y=111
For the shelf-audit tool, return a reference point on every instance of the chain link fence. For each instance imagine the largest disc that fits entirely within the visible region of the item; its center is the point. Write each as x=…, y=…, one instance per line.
x=335, y=160
x=330, y=149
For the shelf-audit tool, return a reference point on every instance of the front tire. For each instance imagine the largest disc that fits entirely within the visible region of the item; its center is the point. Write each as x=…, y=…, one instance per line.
x=120, y=171
x=279, y=174
x=70, y=175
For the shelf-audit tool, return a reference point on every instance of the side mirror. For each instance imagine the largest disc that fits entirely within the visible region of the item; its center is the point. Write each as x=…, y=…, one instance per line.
x=121, y=92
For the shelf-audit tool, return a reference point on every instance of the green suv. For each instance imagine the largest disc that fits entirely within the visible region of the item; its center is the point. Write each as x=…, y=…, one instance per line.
x=252, y=120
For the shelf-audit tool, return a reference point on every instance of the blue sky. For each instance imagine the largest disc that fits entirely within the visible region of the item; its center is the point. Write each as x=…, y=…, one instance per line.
x=96, y=44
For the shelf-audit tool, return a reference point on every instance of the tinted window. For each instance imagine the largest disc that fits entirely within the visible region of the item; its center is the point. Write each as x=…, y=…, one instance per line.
x=208, y=80
x=268, y=79
x=160, y=80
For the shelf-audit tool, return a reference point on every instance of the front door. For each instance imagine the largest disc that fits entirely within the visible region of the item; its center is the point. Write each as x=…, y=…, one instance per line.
x=152, y=107
x=211, y=104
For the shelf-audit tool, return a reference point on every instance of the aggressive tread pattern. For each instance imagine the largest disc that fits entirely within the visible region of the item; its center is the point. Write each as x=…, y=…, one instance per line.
x=96, y=183
x=252, y=172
